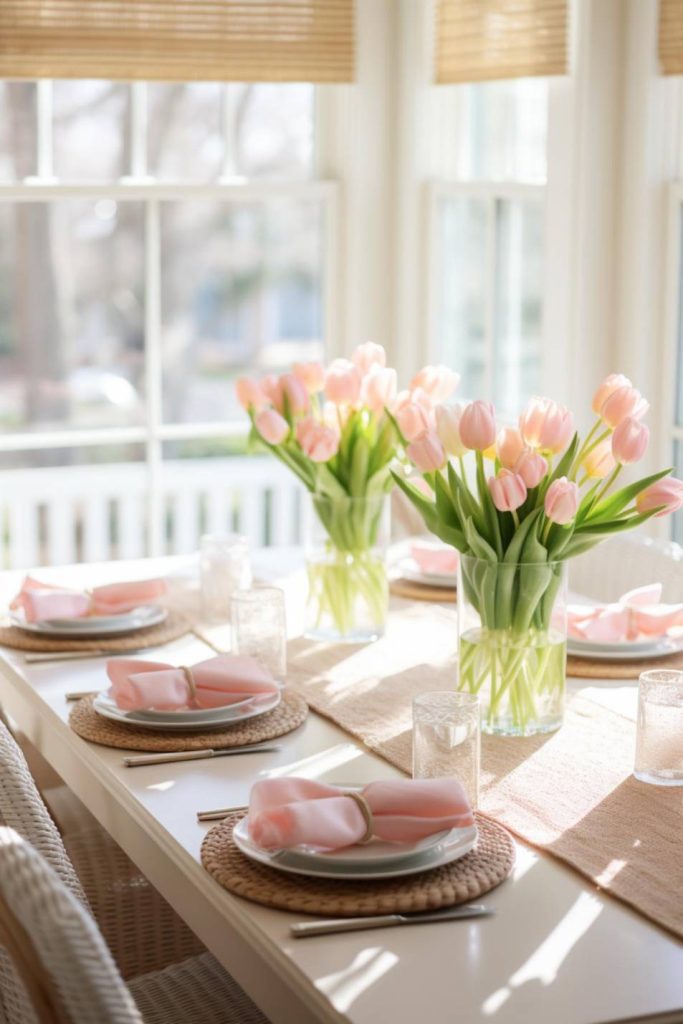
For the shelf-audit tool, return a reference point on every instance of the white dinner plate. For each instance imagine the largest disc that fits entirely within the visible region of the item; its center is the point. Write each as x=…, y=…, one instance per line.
x=143, y=617
x=410, y=570
x=374, y=860
x=626, y=651
x=186, y=719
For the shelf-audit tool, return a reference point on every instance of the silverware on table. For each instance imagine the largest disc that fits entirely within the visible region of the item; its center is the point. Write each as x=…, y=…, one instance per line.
x=219, y=814
x=98, y=652
x=307, y=929
x=196, y=755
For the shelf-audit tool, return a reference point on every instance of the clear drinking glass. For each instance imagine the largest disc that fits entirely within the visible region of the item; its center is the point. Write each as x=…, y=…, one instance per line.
x=446, y=738
x=659, y=731
x=224, y=567
x=259, y=627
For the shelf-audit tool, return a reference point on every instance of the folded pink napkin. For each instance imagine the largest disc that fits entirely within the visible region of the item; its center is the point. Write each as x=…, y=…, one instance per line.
x=138, y=685
x=636, y=614
x=435, y=557
x=42, y=601
x=289, y=812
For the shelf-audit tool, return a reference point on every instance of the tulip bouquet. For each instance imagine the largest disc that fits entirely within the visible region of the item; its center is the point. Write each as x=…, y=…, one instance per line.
x=545, y=496
x=334, y=429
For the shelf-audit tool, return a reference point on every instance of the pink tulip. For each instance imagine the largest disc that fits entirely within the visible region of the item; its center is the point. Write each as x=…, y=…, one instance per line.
x=291, y=395
x=546, y=425
x=531, y=466
x=610, y=384
x=250, y=393
x=508, y=490
x=437, y=382
x=509, y=446
x=562, y=501
x=599, y=462
x=367, y=356
x=378, y=389
x=478, y=425
x=269, y=387
x=448, y=428
x=318, y=442
x=666, y=494
x=624, y=401
x=311, y=375
x=426, y=452
x=412, y=420
x=342, y=382
x=272, y=427
x=629, y=441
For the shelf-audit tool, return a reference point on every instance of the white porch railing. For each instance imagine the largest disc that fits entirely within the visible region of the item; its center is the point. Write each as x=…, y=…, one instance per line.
x=95, y=513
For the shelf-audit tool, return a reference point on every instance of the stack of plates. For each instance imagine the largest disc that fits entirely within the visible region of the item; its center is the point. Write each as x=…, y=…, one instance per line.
x=410, y=570
x=93, y=626
x=186, y=719
x=374, y=860
x=626, y=650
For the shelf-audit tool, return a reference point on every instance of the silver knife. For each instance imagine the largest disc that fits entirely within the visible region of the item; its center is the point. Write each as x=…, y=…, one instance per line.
x=197, y=755
x=306, y=929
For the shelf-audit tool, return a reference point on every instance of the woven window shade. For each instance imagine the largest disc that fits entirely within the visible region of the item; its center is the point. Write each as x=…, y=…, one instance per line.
x=671, y=36
x=178, y=40
x=481, y=40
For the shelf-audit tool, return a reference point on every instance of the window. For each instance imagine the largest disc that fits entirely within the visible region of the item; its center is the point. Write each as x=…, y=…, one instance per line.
x=487, y=237
x=156, y=241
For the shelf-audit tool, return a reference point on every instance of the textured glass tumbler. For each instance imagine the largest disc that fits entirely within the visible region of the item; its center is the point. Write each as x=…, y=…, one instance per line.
x=224, y=567
x=446, y=738
x=259, y=627
x=659, y=731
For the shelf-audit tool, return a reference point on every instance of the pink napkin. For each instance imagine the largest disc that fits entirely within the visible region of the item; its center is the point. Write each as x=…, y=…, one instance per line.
x=42, y=601
x=636, y=614
x=435, y=558
x=287, y=812
x=138, y=685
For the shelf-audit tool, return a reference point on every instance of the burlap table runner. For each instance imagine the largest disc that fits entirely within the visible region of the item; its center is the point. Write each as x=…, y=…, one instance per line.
x=570, y=792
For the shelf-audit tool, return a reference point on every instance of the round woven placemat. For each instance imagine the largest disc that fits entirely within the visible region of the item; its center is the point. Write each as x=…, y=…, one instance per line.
x=290, y=713
x=421, y=591
x=477, y=872
x=174, y=626
x=597, y=669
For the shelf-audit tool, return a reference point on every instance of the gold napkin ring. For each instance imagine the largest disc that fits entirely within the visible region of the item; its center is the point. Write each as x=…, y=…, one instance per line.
x=189, y=679
x=366, y=812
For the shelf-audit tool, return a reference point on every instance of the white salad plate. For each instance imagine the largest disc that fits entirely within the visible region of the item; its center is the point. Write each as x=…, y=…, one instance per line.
x=410, y=570
x=186, y=719
x=374, y=860
x=660, y=647
x=143, y=617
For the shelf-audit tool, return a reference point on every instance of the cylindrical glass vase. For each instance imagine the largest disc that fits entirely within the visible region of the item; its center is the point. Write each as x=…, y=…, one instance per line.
x=512, y=629
x=348, y=590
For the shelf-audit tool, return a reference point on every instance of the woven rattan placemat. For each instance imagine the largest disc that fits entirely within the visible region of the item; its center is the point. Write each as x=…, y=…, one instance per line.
x=421, y=591
x=598, y=669
x=476, y=873
x=288, y=715
x=174, y=626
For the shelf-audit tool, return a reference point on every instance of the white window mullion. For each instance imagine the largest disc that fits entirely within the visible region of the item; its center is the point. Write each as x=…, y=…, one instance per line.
x=153, y=375
x=44, y=155
x=491, y=251
x=229, y=163
x=138, y=130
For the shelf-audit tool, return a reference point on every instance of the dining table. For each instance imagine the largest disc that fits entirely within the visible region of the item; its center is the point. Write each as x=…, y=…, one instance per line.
x=555, y=950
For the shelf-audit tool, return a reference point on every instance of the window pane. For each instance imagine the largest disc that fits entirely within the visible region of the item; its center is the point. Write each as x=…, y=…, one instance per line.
x=677, y=518
x=519, y=304
x=501, y=130
x=273, y=128
x=71, y=315
x=18, y=157
x=461, y=291
x=91, y=127
x=185, y=139
x=241, y=291
x=678, y=380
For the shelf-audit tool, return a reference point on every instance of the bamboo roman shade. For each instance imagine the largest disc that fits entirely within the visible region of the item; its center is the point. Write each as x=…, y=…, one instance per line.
x=178, y=40
x=480, y=40
x=671, y=36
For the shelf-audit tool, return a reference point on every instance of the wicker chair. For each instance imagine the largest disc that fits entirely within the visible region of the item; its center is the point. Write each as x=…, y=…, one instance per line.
x=141, y=929
x=622, y=563
x=57, y=968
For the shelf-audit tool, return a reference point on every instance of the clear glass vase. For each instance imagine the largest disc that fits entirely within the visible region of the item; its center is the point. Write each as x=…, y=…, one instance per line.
x=348, y=590
x=512, y=629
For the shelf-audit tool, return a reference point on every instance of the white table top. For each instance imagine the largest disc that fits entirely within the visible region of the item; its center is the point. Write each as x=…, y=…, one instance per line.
x=556, y=950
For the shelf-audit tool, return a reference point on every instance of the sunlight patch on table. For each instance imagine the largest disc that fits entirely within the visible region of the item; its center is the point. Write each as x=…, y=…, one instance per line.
x=318, y=764
x=162, y=786
x=345, y=986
